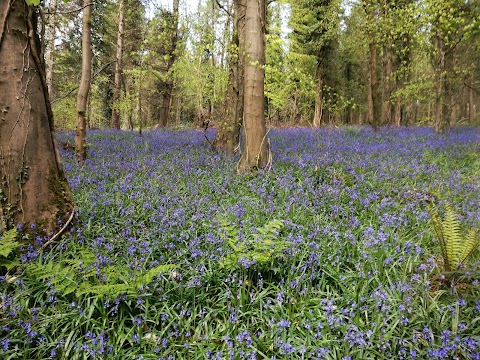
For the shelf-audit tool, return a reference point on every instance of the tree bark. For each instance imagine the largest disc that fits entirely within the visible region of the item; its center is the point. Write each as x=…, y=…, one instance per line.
x=167, y=85
x=397, y=113
x=317, y=118
x=84, y=89
x=373, y=101
x=471, y=101
x=386, y=117
x=33, y=189
x=442, y=106
x=117, y=86
x=231, y=118
x=50, y=37
x=373, y=110
x=255, y=151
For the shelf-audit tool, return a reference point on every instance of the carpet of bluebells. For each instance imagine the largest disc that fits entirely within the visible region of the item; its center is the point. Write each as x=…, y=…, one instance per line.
x=357, y=273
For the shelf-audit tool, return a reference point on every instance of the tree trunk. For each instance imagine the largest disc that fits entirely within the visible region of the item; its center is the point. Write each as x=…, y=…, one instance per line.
x=139, y=105
x=167, y=85
x=387, y=85
x=442, y=116
x=317, y=118
x=165, y=105
x=50, y=37
x=373, y=110
x=231, y=118
x=397, y=114
x=117, y=86
x=255, y=151
x=84, y=88
x=373, y=101
x=33, y=189
x=471, y=101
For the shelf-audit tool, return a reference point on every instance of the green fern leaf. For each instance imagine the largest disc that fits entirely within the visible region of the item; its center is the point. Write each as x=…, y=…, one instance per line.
x=455, y=247
x=453, y=235
x=9, y=264
x=148, y=277
x=437, y=226
x=472, y=241
x=8, y=244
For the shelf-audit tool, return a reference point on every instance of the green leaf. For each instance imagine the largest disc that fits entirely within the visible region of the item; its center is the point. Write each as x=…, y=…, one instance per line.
x=33, y=2
x=8, y=244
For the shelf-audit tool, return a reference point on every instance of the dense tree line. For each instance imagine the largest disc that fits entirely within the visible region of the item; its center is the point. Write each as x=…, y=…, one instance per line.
x=376, y=62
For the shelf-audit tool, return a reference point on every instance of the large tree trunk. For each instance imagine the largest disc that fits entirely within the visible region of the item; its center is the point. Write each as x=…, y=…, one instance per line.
x=117, y=86
x=33, y=189
x=84, y=89
x=255, y=151
x=50, y=38
x=165, y=105
x=231, y=118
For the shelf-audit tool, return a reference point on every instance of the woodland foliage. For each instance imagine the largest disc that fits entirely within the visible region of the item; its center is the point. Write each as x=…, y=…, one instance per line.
x=316, y=52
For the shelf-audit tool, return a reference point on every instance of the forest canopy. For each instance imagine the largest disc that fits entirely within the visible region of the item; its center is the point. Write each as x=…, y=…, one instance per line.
x=327, y=62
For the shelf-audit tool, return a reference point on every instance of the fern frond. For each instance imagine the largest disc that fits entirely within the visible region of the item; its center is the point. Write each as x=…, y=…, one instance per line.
x=456, y=247
x=151, y=274
x=453, y=235
x=437, y=227
x=270, y=230
x=472, y=241
x=261, y=247
x=8, y=243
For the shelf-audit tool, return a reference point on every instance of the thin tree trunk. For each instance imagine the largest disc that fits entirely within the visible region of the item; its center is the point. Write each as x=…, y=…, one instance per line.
x=117, y=87
x=231, y=118
x=167, y=89
x=373, y=101
x=33, y=189
x=139, y=109
x=387, y=85
x=397, y=114
x=84, y=88
x=255, y=151
x=50, y=37
x=373, y=111
x=442, y=117
x=317, y=118
x=471, y=102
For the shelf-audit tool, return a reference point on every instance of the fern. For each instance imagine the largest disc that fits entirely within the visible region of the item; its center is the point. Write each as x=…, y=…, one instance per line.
x=260, y=248
x=8, y=246
x=68, y=278
x=455, y=247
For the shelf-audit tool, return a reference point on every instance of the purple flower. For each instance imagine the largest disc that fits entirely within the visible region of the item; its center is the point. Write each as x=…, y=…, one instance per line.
x=136, y=338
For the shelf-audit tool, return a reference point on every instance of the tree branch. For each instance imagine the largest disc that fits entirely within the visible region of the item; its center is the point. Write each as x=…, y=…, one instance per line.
x=471, y=87
x=223, y=8
x=69, y=11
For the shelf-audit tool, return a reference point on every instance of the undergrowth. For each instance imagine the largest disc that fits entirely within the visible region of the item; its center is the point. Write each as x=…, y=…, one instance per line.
x=330, y=255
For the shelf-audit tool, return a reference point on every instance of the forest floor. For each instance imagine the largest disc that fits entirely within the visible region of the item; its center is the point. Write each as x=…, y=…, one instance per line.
x=330, y=254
